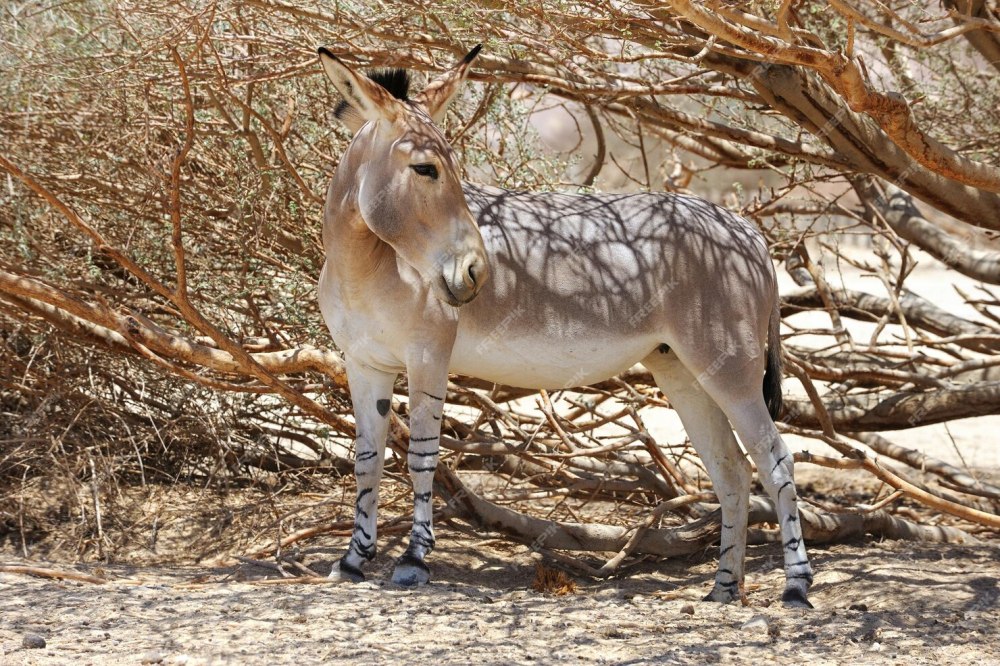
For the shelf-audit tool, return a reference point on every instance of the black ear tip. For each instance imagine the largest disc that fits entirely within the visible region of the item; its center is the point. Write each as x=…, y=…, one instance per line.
x=472, y=54
x=323, y=51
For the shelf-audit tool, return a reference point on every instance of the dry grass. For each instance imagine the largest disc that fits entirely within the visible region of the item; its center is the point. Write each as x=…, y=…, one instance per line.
x=552, y=581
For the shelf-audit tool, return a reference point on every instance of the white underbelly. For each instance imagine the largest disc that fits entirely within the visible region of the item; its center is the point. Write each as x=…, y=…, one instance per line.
x=544, y=362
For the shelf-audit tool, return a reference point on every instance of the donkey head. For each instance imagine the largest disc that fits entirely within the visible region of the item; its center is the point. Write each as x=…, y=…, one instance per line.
x=409, y=191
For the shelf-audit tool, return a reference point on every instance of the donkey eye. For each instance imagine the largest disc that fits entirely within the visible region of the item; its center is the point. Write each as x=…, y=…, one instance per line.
x=428, y=170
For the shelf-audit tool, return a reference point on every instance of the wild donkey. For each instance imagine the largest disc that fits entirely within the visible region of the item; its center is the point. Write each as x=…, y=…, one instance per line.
x=421, y=269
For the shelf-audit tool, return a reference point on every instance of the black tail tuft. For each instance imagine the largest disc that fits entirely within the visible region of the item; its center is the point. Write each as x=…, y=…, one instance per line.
x=772, y=374
x=471, y=55
x=772, y=383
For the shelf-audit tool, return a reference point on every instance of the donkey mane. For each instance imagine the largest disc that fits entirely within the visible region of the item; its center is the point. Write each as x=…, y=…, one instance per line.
x=395, y=80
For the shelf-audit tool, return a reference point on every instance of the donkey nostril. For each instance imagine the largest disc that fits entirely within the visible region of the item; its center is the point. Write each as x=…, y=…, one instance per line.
x=470, y=276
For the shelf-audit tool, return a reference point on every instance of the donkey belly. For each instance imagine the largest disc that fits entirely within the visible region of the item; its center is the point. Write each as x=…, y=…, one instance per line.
x=540, y=361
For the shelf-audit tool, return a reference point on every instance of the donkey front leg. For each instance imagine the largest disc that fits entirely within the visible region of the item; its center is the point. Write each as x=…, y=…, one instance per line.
x=428, y=385
x=371, y=394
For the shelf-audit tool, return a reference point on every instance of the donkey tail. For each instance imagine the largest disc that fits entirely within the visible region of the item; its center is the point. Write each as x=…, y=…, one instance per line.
x=772, y=375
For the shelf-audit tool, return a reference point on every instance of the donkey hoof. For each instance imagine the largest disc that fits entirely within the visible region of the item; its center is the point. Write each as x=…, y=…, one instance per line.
x=346, y=572
x=410, y=572
x=722, y=595
x=794, y=597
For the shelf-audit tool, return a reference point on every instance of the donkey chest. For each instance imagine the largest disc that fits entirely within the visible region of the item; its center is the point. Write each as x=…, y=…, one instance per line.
x=363, y=324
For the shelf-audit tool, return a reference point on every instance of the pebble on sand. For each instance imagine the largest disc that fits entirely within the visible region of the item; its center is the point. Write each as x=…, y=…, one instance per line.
x=151, y=657
x=33, y=641
x=761, y=623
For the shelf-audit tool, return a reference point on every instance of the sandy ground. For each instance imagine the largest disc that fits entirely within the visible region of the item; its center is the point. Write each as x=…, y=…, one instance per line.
x=888, y=602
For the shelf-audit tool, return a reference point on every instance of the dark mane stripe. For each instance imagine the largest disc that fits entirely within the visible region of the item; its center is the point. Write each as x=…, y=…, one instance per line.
x=395, y=80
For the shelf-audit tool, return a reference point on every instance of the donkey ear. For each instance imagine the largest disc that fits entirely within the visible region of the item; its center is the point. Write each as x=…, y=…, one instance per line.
x=364, y=99
x=439, y=93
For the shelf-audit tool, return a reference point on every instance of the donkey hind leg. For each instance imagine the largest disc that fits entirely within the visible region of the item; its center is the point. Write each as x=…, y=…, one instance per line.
x=744, y=405
x=712, y=437
x=371, y=394
x=428, y=385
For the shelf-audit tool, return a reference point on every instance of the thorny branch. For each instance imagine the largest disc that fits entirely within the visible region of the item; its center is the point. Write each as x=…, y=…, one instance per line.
x=207, y=171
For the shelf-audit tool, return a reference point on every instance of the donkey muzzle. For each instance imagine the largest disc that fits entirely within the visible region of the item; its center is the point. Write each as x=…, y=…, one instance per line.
x=463, y=276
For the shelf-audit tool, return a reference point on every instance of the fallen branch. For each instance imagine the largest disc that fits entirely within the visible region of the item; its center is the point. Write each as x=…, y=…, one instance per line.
x=294, y=580
x=865, y=412
x=958, y=479
x=695, y=536
x=57, y=574
x=612, y=564
x=928, y=499
x=920, y=313
x=342, y=528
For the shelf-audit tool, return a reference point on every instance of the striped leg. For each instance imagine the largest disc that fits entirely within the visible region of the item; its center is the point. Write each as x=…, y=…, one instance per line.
x=428, y=385
x=371, y=393
x=774, y=467
x=712, y=437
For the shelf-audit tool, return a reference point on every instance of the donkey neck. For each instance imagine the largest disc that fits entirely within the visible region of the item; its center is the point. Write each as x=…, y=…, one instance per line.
x=352, y=249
